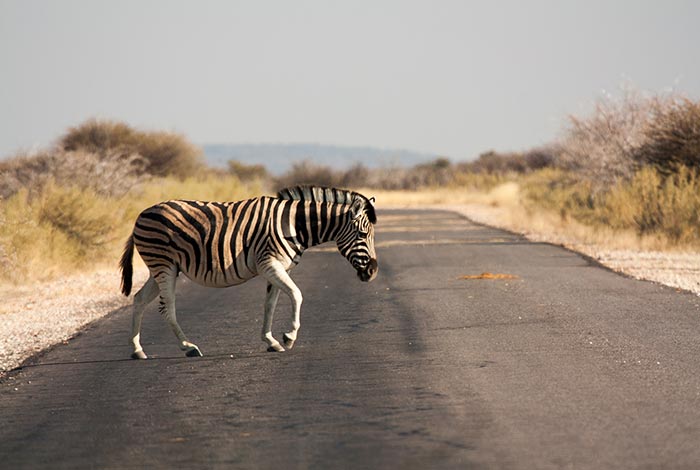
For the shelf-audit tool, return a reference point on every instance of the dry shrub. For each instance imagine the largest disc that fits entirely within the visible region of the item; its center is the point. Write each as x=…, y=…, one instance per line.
x=246, y=172
x=71, y=207
x=672, y=137
x=308, y=172
x=164, y=153
x=561, y=192
x=389, y=178
x=492, y=162
x=624, y=134
x=82, y=215
x=631, y=165
x=111, y=175
x=650, y=202
x=59, y=230
x=657, y=203
x=601, y=147
x=103, y=156
x=439, y=172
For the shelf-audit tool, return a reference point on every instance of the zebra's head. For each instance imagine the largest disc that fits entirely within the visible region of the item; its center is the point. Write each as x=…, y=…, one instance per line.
x=356, y=239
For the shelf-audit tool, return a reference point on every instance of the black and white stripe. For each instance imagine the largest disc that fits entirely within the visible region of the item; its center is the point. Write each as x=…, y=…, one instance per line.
x=221, y=244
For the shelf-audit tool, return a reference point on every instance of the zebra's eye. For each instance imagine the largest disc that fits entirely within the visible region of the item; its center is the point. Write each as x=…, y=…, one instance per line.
x=362, y=234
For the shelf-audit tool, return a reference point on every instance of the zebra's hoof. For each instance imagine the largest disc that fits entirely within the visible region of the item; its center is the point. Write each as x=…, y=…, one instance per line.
x=288, y=342
x=275, y=348
x=193, y=352
x=139, y=355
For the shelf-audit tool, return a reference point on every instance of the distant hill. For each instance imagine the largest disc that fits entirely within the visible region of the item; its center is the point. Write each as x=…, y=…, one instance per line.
x=278, y=158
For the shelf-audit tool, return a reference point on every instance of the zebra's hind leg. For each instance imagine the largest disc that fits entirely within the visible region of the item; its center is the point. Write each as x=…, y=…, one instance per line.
x=166, y=283
x=143, y=297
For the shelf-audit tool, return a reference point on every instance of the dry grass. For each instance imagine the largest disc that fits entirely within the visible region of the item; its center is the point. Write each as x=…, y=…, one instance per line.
x=69, y=208
x=628, y=175
x=650, y=204
x=64, y=229
x=504, y=194
x=650, y=212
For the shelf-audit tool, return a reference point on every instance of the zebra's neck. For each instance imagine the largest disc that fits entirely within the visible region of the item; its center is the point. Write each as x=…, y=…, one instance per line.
x=318, y=222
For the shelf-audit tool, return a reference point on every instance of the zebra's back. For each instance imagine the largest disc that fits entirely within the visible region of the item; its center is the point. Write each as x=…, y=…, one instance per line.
x=213, y=243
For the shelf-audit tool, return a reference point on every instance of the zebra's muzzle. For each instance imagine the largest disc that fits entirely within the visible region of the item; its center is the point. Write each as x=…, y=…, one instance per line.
x=369, y=272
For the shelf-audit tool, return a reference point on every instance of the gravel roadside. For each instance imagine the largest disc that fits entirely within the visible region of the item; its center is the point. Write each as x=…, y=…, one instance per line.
x=39, y=316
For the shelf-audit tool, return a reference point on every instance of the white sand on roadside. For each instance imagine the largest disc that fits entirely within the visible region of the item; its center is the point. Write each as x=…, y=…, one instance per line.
x=35, y=317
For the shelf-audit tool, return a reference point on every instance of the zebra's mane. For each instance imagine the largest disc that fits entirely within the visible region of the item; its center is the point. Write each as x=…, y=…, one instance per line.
x=322, y=194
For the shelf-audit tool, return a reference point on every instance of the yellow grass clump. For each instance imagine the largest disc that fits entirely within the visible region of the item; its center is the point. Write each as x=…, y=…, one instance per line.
x=650, y=203
x=64, y=229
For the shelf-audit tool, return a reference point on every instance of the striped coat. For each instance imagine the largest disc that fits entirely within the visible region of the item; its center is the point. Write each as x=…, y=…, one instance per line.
x=221, y=244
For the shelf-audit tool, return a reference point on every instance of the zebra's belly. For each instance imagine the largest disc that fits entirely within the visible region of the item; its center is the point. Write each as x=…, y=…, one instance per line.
x=227, y=278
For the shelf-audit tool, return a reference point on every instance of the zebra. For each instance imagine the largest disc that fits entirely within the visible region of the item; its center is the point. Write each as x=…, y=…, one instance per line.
x=222, y=244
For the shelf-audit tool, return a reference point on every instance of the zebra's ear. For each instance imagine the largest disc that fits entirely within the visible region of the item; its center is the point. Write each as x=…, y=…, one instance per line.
x=371, y=214
x=356, y=207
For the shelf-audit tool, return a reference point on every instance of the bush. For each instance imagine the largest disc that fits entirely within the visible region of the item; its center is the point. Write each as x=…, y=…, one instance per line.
x=437, y=173
x=48, y=233
x=59, y=230
x=103, y=156
x=308, y=172
x=561, y=192
x=164, y=153
x=649, y=203
x=247, y=172
x=109, y=176
x=492, y=162
x=72, y=207
x=657, y=203
x=672, y=138
x=601, y=147
x=622, y=135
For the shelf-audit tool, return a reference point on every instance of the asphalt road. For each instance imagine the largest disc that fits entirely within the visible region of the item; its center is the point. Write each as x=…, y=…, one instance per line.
x=566, y=366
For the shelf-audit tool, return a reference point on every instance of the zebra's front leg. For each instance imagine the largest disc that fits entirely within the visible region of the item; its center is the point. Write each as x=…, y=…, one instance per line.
x=273, y=294
x=167, y=310
x=291, y=336
x=279, y=281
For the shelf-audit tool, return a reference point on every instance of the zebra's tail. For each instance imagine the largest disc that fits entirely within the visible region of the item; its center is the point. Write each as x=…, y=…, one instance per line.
x=127, y=266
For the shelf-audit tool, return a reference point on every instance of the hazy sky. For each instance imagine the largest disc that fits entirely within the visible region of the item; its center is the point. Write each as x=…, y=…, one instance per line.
x=453, y=78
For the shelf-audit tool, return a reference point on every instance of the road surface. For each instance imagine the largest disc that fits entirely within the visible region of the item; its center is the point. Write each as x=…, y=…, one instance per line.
x=567, y=365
